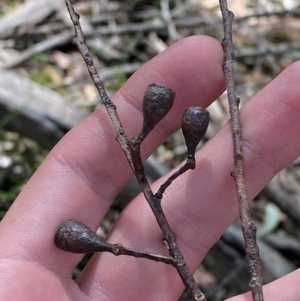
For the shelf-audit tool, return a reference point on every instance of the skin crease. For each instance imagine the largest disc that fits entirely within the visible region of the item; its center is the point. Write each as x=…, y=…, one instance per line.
x=84, y=172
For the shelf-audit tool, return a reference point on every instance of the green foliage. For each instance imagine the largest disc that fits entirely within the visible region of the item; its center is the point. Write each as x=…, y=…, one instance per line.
x=41, y=76
x=7, y=119
x=41, y=57
x=119, y=80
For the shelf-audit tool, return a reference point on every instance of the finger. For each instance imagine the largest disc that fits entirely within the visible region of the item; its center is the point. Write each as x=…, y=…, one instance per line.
x=202, y=203
x=85, y=171
x=285, y=288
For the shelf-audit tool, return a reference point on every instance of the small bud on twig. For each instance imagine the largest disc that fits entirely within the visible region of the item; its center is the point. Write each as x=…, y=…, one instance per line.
x=75, y=237
x=158, y=100
x=194, y=125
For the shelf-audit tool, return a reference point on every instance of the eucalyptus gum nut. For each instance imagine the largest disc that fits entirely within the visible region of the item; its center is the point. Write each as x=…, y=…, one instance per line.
x=158, y=100
x=194, y=126
x=75, y=237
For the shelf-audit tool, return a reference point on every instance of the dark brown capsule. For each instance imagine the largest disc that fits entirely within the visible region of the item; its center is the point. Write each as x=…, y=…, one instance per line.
x=75, y=237
x=158, y=100
x=194, y=126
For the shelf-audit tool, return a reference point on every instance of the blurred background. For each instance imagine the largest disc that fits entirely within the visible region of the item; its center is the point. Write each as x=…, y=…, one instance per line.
x=45, y=90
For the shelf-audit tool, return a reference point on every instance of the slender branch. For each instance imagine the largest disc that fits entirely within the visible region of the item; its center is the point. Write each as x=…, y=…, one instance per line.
x=189, y=164
x=155, y=204
x=110, y=107
x=248, y=227
x=131, y=148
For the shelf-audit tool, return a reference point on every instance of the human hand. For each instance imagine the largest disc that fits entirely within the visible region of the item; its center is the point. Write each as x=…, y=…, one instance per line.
x=86, y=170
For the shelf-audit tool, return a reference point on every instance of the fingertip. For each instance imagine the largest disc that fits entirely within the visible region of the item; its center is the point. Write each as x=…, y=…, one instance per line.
x=192, y=67
x=293, y=71
x=189, y=66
